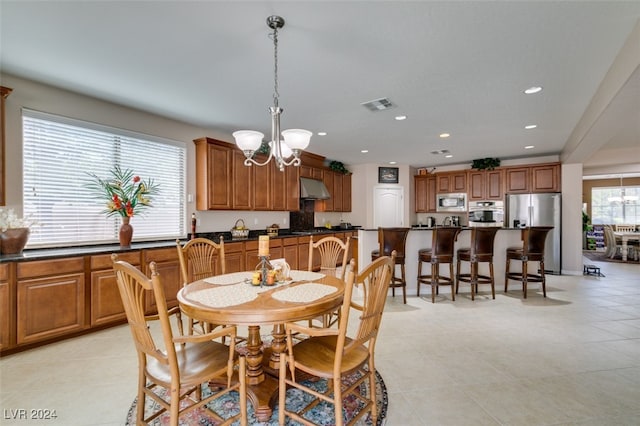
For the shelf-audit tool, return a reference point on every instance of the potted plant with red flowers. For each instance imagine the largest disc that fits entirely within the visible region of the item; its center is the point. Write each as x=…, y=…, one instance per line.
x=125, y=195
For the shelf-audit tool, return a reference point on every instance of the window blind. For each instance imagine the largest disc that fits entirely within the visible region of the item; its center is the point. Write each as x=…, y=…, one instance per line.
x=58, y=154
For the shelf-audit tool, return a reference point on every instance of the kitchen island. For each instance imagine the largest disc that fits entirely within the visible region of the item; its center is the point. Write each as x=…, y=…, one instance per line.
x=420, y=238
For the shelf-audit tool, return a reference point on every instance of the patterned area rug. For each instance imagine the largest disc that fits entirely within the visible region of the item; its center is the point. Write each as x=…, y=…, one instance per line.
x=321, y=414
x=598, y=256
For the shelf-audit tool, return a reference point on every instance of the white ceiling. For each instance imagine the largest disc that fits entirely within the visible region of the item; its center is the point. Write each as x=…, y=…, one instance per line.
x=455, y=67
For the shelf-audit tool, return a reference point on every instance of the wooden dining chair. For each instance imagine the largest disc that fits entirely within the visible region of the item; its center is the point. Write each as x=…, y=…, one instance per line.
x=200, y=258
x=331, y=254
x=182, y=366
x=328, y=353
x=625, y=228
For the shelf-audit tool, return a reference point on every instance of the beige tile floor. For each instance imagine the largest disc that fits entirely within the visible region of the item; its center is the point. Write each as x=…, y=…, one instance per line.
x=570, y=359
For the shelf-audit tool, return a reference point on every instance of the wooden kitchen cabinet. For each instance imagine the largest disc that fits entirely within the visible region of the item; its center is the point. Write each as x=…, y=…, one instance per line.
x=278, y=188
x=337, y=191
x=346, y=193
x=168, y=266
x=448, y=182
x=533, y=179
x=242, y=190
x=106, y=303
x=303, y=252
x=234, y=257
x=425, y=193
x=545, y=178
x=292, y=189
x=327, y=178
x=6, y=311
x=290, y=251
x=214, y=187
x=486, y=185
x=50, y=299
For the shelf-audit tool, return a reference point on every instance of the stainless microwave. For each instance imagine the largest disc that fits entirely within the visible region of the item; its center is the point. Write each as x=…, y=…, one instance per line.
x=451, y=202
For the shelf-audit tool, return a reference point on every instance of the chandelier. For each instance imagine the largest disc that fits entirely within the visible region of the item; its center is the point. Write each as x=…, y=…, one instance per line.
x=284, y=147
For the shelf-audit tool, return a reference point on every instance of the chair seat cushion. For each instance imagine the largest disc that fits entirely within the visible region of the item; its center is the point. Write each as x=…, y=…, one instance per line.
x=320, y=352
x=196, y=361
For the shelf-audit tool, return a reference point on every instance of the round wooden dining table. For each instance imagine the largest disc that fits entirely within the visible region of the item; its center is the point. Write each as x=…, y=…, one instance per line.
x=231, y=299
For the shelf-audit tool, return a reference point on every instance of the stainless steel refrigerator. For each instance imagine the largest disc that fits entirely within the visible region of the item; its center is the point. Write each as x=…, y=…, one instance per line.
x=539, y=210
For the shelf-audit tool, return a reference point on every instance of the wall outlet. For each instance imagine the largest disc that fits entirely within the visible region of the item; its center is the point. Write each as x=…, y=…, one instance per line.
x=255, y=220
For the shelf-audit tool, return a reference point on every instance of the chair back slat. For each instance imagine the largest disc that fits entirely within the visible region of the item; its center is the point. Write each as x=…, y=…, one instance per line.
x=333, y=252
x=134, y=287
x=374, y=282
x=200, y=258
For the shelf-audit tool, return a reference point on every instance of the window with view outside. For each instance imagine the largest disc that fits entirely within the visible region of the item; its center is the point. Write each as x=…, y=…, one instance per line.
x=615, y=205
x=58, y=155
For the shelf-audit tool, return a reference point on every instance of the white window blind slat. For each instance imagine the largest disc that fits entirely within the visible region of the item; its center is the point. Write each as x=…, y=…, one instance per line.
x=58, y=154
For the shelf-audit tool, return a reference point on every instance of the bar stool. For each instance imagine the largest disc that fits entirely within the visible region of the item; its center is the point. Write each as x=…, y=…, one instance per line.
x=391, y=239
x=532, y=250
x=481, y=250
x=441, y=252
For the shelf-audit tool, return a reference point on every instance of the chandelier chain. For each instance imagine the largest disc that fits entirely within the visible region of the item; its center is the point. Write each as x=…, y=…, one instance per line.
x=276, y=94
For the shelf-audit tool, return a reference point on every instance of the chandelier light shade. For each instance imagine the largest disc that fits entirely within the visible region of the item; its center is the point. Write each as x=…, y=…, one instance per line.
x=285, y=147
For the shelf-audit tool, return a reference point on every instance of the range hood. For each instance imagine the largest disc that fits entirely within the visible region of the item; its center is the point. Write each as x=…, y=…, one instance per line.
x=313, y=189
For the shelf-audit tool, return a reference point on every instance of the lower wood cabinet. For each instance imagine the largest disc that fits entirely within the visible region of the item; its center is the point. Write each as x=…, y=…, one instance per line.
x=6, y=315
x=106, y=303
x=168, y=266
x=234, y=257
x=50, y=299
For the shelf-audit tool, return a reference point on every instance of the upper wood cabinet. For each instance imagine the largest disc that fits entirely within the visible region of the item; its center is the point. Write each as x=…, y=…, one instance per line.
x=535, y=178
x=486, y=184
x=545, y=178
x=242, y=191
x=425, y=193
x=346, y=193
x=223, y=182
x=451, y=182
x=214, y=187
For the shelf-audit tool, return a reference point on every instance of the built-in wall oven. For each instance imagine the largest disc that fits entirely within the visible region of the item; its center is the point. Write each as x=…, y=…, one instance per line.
x=486, y=213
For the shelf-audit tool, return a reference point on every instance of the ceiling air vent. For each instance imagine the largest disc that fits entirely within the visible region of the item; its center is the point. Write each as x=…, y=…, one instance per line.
x=378, y=104
x=440, y=151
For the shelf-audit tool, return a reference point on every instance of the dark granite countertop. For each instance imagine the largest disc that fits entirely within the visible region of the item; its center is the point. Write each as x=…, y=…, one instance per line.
x=60, y=252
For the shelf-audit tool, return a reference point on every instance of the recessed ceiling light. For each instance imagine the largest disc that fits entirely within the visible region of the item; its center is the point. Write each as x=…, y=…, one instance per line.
x=392, y=162
x=531, y=126
x=448, y=156
x=322, y=133
x=401, y=117
x=364, y=151
x=444, y=135
x=533, y=90
x=529, y=147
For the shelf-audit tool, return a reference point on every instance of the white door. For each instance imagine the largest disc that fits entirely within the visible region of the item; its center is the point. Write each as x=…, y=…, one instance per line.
x=388, y=206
